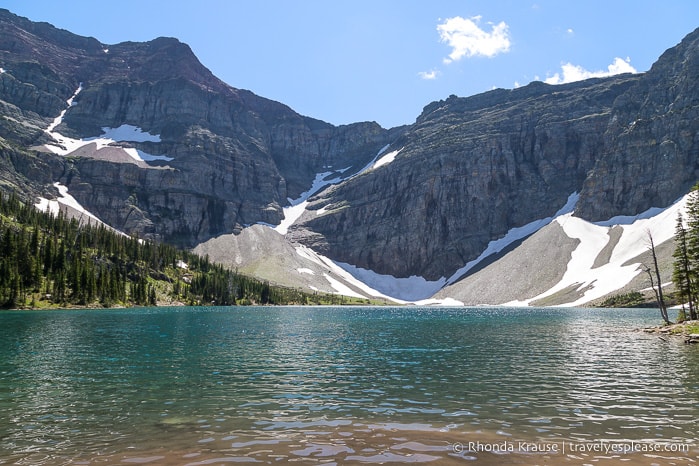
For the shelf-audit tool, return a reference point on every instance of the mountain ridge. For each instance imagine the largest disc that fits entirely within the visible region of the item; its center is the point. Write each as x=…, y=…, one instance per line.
x=256, y=152
x=416, y=203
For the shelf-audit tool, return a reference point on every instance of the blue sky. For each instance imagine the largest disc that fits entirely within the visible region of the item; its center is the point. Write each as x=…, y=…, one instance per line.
x=384, y=60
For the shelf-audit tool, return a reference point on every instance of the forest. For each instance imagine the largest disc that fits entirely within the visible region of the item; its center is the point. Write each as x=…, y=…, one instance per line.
x=53, y=261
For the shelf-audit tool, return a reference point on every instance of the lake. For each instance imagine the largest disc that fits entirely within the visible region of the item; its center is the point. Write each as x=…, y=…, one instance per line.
x=324, y=385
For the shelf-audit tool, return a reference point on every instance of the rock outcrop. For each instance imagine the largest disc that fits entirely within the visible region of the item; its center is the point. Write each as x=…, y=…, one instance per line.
x=651, y=155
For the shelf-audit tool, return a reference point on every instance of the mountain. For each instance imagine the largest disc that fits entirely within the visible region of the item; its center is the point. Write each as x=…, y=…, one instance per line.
x=218, y=158
x=488, y=199
x=467, y=171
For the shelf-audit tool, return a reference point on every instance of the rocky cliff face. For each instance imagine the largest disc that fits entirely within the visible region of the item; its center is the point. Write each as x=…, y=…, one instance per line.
x=468, y=171
x=651, y=155
x=235, y=157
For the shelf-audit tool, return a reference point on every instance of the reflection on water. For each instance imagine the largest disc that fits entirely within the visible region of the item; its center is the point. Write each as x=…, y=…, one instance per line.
x=361, y=384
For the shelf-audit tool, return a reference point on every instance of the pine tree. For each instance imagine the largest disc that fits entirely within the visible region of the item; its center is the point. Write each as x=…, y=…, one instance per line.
x=152, y=297
x=692, y=242
x=682, y=273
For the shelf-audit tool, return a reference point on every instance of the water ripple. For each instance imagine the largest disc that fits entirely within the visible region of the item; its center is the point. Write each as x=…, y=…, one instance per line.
x=80, y=383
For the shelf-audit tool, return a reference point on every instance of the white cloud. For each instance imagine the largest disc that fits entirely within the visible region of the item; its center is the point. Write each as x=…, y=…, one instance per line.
x=467, y=39
x=428, y=75
x=571, y=73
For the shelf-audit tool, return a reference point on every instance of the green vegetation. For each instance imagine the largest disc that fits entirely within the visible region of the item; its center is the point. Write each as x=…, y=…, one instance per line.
x=50, y=261
x=685, y=273
x=687, y=329
x=691, y=328
x=631, y=299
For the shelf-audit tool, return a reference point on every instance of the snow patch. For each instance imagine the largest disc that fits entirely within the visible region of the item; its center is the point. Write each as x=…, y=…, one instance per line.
x=2, y=70
x=373, y=164
x=145, y=156
x=382, y=150
x=629, y=219
x=298, y=206
x=129, y=133
x=133, y=153
x=341, y=288
x=515, y=234
x=664, y=285
x=386, y=159
x=59, y=119
x=109, y=137
x=413, y=290
x=405, y=289
x=332, y=267
x=447, y=302
x=593, y=237
x=319, y=182
x=53, y=206
x=182, y=264
x=291, y=214
x=49, y=206
x=305, y=270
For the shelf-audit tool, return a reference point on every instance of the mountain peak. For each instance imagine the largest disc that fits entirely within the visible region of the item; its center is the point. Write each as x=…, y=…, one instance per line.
x=76, y=59
x=159, y=59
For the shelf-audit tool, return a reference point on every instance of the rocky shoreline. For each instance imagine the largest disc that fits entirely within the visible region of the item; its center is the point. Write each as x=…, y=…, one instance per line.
x=688, y=330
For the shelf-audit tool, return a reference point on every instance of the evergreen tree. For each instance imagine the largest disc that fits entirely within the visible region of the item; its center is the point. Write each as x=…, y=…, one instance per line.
x=682, y=273
x=692, y=247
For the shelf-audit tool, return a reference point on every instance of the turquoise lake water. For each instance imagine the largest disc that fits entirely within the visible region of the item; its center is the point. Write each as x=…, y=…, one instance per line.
x=335, y=385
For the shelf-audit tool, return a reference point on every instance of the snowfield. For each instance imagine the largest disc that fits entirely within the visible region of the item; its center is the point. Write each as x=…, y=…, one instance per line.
x=408, y=289
x=54, y=206
x=614, y=275
x=386, y=159
x=129, y=133
x=109, y=138
x=298, y=206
